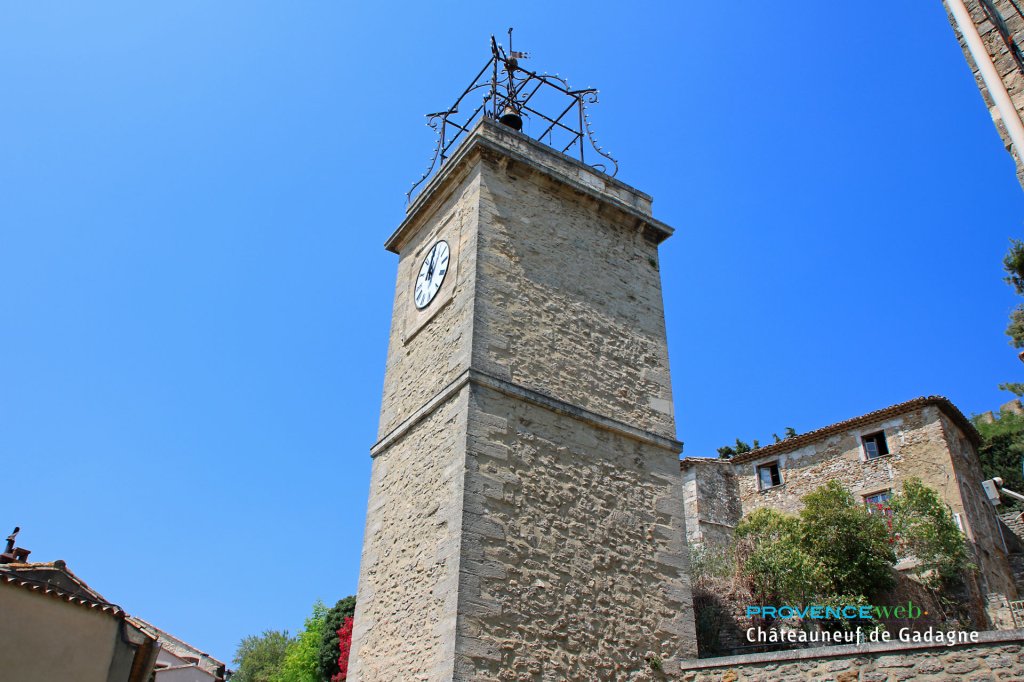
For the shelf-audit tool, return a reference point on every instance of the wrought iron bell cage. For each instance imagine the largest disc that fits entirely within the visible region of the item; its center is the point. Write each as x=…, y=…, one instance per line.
x=511, y=94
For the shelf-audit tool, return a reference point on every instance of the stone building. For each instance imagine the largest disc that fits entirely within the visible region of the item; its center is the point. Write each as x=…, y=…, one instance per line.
x=871, y=455
x=711, y=500
x=53, y=626
x=179, y=661
x=991, y=33
x=525, y=517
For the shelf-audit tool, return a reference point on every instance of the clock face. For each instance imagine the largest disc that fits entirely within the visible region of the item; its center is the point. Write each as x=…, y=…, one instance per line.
x=432, y=273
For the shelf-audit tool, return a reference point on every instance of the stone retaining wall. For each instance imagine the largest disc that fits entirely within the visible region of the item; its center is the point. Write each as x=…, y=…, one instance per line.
x=996, y=657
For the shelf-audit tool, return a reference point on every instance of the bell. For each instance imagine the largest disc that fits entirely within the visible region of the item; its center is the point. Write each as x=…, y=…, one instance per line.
x=511, y=118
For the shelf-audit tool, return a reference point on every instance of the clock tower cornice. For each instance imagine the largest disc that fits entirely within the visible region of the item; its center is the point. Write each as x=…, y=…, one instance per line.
x=512, y=148
x=478, y=378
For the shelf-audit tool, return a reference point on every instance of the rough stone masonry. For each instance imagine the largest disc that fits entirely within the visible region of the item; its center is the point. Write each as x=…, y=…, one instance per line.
x=1000, y=26
x=525, y=518
x=996, y=657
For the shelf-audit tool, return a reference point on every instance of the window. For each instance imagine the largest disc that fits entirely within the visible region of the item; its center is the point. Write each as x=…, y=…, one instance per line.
x=768, y=476
x=879, y=502
x=878, y=498
x=875, y=445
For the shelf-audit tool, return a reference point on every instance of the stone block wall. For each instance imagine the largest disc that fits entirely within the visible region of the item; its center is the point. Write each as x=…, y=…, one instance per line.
x=1001, y=26
x=569, y=291
x=408, y=575
x=983, y=526
x=573, y=559
x=711, y=500
x=1013, y=529
x=429, y=349
x=997, y=657
x=525, y=517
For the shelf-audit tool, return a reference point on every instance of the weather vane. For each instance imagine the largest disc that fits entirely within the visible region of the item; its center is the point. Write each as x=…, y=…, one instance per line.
x=509, y=94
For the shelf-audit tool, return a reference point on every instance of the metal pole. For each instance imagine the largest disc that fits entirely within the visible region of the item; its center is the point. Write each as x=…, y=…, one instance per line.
x=579, y=104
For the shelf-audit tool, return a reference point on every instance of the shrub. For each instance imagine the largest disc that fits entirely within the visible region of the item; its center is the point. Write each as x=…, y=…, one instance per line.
x=344, y=647
x=779, y=568
x=853, y=545
x=327, y=657
x=300, y=661
x=925, y=530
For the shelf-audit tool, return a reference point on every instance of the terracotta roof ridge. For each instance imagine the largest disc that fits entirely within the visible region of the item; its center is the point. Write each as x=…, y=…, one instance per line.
x=50, y=590
x=720, y=460
x=793, y=442
x=164, y=633
x=57, y=565
x=71, y=574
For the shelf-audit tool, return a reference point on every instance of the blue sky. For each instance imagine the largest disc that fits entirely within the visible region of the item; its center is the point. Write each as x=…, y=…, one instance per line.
x=195, y=301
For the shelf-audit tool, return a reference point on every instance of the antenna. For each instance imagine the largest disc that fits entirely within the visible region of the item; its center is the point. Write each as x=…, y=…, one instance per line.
x=509, y=94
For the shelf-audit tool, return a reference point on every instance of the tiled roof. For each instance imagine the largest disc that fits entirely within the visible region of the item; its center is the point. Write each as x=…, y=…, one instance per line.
x=803, y=439
x=177, y=646
x=26, y=576
x=56, y=580
x=687, y=461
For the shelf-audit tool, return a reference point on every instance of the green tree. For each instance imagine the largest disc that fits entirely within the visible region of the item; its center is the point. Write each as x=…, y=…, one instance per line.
x=1013, y=265
x=833, y=551
x=302, y=657
x=327, y=656
x=259, y=657
x=726, y=451
x=852, y=544
x=926, y=531
x=1002, y=451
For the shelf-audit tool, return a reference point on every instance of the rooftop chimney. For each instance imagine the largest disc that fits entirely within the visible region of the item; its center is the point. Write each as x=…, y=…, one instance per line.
x=14, y=554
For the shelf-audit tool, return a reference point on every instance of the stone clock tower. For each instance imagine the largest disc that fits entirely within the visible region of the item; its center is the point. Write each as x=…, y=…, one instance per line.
x=525, y=518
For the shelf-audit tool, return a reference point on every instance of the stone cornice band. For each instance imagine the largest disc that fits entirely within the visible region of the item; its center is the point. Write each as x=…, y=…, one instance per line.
x=476, y=377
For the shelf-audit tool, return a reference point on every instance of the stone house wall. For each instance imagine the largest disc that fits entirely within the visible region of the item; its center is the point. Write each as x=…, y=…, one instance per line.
x=711, y=499
x=48, y=638
x=982, y=527
x=923, y=441
x=1013, y=530
x=916, y=448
